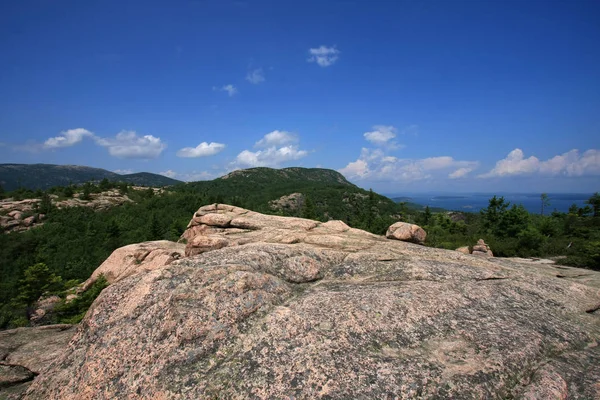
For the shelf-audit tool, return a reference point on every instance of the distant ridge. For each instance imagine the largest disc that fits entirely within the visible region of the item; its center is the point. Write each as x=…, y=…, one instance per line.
x=44, y=176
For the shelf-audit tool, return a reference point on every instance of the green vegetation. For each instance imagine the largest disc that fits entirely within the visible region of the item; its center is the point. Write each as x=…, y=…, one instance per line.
x=511, y=231
x=327, y=195
x=73, y=242
x=45, y=176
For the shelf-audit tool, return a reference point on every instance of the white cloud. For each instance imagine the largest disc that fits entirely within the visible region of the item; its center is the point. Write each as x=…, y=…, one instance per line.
x=276, y=148
x=127, y=144
x=324, y=56
x=374, y=165
x=460, y=173
x=169, y=173
x=67, y=138
x=570, y=163
x=204, y=149
x=357, y=169
x=270, y=157
x=123, y=171
x=380, y=135
x=256, y=76
x=230, y=89
x=277, y=138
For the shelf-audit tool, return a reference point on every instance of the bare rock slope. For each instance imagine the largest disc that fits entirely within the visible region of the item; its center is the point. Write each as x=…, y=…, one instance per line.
x=292, y=308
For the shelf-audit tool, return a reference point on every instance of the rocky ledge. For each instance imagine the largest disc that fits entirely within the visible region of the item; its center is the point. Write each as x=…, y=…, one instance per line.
x=270, y=307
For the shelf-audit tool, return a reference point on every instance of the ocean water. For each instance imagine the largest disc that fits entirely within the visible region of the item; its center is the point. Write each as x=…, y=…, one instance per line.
x=476, y=201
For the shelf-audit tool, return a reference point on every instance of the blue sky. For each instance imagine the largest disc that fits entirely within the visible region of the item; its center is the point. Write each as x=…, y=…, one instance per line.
x=397, y=95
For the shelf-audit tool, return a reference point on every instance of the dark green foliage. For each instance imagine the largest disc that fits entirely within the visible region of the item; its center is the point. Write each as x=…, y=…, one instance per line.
x=512, y=231
x=104, y=185
x=594, y=202
x=308, y=209
x=68, y=192
x=87, y=189
x=44, y=176
x=73, y=312
x=545, y=202
x=73, y=242
x=45, y=205
x=37, y=280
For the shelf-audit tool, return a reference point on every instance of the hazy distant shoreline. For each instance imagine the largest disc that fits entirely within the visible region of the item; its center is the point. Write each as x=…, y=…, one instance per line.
x=476, y=201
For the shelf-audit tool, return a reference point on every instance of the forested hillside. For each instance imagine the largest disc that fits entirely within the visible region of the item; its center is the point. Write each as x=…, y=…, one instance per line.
x=73, y=242
x=45, y=176
x=326, y=194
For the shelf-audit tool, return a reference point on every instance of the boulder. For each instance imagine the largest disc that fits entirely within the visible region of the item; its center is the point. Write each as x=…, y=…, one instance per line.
x=406, y=232
x=29, y=221
x=132, y=259
x=15, y=214
x=333, y=315
x=220, y=225
x=464, y=250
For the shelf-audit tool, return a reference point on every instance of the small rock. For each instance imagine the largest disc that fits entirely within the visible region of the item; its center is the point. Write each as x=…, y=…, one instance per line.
x=29, y=221
x=464, y=250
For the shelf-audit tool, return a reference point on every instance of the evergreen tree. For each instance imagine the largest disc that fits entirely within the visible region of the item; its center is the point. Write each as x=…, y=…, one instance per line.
x=45, y=204
x=494, y=212
x=594, y=202
x=308, y=208
x=155, y=230
x=86, y=192
x=426, y=216
x=68, y=192
x=38, y=279
x=104, y=185
x=545, y=201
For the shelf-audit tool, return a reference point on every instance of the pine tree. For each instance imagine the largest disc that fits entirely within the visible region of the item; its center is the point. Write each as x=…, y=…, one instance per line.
x=45, y=204
x=545, y=201
x=308, y=209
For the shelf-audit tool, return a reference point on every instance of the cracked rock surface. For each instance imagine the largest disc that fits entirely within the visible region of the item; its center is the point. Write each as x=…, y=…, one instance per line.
x=25, y=352
x=292, y=308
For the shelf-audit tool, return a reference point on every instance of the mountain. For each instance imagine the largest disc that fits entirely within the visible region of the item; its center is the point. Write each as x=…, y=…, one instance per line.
x=268, y=190
x=44, y=176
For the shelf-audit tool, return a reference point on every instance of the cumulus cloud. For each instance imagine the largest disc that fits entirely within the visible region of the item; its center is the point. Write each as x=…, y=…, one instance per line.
x=256, y=76
x=275, y=148
x=277, y=138
x=324, y=56
x=270, y=157
x=375, y=165
x=204, y=149
x=127, y=144
x=380, y=135
x=571, y=163
x=67, y=138
x=230, y=89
